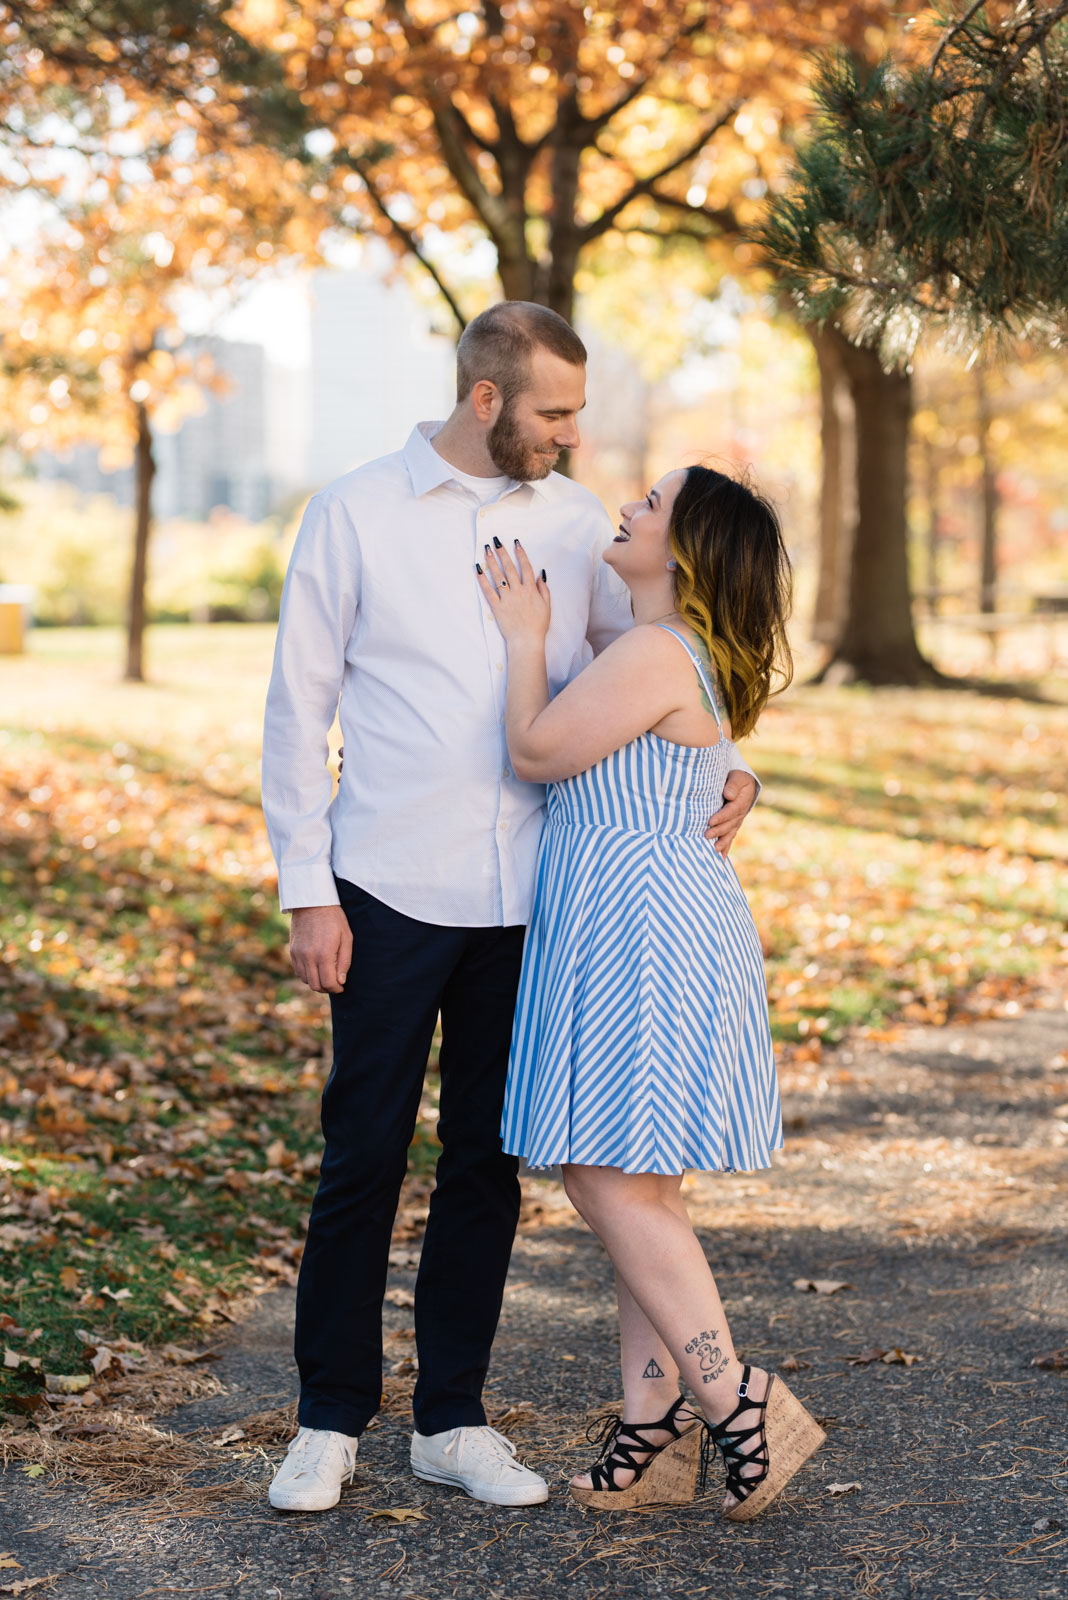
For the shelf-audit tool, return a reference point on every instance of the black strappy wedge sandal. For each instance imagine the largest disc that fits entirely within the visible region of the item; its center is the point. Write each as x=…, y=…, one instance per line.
x=668, y=1475
x=787, y=1436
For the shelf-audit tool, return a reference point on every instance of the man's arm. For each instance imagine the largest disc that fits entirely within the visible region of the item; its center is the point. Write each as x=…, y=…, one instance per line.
x=318, y=612
x=740, y=790
x=610, y=608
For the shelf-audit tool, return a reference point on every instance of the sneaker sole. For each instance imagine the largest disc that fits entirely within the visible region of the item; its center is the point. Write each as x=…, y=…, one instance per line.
x=490, y=1497
x=295, y=1500
x=297, y=1504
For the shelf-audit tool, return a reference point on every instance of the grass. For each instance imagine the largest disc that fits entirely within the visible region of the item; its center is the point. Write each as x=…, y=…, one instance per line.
x=160, y=1067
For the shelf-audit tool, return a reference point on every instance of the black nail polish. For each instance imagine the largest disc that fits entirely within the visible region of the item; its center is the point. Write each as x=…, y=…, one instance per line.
x=516, y=543
x=544, y=579
x=478, y=569
x=497, y=543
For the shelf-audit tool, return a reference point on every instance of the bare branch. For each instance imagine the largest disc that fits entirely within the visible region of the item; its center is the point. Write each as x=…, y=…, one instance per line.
x=408, y=238
x=642, y=81
x=724, y=218
x=492, y=210
x=646, y=186
x=1034, y=33
x=951, y=33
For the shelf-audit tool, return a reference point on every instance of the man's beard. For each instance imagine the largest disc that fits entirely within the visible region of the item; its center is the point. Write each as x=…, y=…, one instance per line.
x=510, y=452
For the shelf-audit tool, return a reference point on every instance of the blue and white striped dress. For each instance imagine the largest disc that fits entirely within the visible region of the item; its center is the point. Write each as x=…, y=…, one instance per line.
x=641, y=1036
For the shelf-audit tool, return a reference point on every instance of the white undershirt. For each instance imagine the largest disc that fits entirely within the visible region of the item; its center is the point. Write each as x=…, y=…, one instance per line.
x=484, y=489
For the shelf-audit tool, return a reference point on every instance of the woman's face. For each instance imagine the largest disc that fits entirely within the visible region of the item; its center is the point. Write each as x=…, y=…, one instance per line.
x=641, y=549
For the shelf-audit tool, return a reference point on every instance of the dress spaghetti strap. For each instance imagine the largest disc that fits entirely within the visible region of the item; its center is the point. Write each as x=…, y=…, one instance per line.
x=701, y=672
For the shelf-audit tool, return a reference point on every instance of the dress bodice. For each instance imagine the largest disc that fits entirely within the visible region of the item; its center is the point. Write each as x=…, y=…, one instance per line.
x=648, y=786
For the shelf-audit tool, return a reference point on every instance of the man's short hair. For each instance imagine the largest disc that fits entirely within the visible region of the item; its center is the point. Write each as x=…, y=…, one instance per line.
x=498, y=346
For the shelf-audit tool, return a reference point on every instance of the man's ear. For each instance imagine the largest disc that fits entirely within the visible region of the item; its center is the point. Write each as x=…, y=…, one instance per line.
x=486, y=400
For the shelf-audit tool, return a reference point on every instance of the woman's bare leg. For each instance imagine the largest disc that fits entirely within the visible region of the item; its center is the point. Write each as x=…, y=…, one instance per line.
x=642, y=1222
x=650, y=1373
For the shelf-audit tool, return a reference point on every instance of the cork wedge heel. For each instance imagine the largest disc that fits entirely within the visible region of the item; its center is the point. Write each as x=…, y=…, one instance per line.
x=786, y=1436
x=667, y=1477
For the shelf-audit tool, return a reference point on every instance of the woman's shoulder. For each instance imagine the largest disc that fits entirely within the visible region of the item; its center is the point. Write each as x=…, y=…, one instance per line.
x=652, y=641
x=644, y=653
x=649, y=648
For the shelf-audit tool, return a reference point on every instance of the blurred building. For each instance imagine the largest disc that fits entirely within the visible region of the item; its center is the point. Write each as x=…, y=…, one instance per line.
x=376, y=368
x=218, y=457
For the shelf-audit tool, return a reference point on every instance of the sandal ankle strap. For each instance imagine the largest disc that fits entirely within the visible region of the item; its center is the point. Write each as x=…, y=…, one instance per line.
x=728, y=1439
x=619, y=1452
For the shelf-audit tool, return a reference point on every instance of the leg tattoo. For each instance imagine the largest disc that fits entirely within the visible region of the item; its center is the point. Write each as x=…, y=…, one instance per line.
x=712, y=1360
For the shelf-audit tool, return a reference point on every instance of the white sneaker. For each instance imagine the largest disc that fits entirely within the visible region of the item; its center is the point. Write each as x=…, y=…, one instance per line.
x=317, y=1464
x=480, y=1461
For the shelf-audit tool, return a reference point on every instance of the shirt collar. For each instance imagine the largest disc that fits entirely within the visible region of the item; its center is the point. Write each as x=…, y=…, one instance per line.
x=427, y=469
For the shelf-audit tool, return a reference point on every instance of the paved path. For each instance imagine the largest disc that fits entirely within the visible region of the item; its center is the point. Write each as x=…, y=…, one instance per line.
x=921, y=1171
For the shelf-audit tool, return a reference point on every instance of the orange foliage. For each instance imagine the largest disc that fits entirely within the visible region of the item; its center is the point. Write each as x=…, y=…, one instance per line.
x=548, y=124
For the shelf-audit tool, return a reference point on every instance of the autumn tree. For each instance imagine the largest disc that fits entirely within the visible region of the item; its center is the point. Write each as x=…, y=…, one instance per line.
x=545, y=126
x=988, y=452
x=90, y=341
x=59, y=59
x=554, y=130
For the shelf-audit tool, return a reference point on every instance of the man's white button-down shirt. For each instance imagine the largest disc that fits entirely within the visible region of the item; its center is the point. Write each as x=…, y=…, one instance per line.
x=381, y=606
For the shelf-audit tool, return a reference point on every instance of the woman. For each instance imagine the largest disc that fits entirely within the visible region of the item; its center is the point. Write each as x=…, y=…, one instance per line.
x=641, y=1045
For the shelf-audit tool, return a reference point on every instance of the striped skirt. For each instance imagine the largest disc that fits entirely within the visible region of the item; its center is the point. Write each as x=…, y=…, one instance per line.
x=641, y=1036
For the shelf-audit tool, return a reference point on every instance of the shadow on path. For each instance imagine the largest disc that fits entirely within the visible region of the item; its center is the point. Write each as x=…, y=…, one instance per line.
x=922, y=1172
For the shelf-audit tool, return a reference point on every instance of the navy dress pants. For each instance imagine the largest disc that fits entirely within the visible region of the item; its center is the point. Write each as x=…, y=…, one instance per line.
x=403, y=974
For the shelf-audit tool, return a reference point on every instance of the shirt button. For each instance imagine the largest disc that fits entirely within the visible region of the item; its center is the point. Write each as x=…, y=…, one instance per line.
x=482, y=511
x=500, y=666
x=503, y=827
x=507, y=773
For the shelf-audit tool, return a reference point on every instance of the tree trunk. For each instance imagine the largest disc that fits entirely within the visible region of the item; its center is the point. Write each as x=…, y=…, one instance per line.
x=877, y=642
x=145, y=471
x=564, y=236
x=988, y=571
x=838, y=480
x=932, y=490
x=516, y=273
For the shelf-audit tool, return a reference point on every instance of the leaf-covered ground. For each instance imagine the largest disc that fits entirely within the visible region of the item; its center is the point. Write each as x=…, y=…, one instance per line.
x=160, y=1069
x=901, y=1265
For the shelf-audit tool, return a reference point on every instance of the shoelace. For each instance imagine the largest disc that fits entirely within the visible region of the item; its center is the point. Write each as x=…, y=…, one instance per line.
x=312, y=1445
x=476, y=1442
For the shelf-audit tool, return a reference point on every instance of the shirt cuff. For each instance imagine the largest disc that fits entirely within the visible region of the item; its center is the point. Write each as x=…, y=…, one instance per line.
x=310, y=884
x=738, y=763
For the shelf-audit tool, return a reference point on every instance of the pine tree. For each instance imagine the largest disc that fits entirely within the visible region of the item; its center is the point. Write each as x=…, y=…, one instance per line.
x=934, y=196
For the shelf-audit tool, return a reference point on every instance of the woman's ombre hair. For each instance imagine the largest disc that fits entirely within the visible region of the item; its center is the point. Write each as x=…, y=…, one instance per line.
x=732, y=585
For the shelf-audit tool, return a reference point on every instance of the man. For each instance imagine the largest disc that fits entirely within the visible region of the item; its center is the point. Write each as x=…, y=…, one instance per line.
x=410, y=892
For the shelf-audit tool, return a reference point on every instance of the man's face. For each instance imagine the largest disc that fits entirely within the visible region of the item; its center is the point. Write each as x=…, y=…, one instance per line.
x=531, y=431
